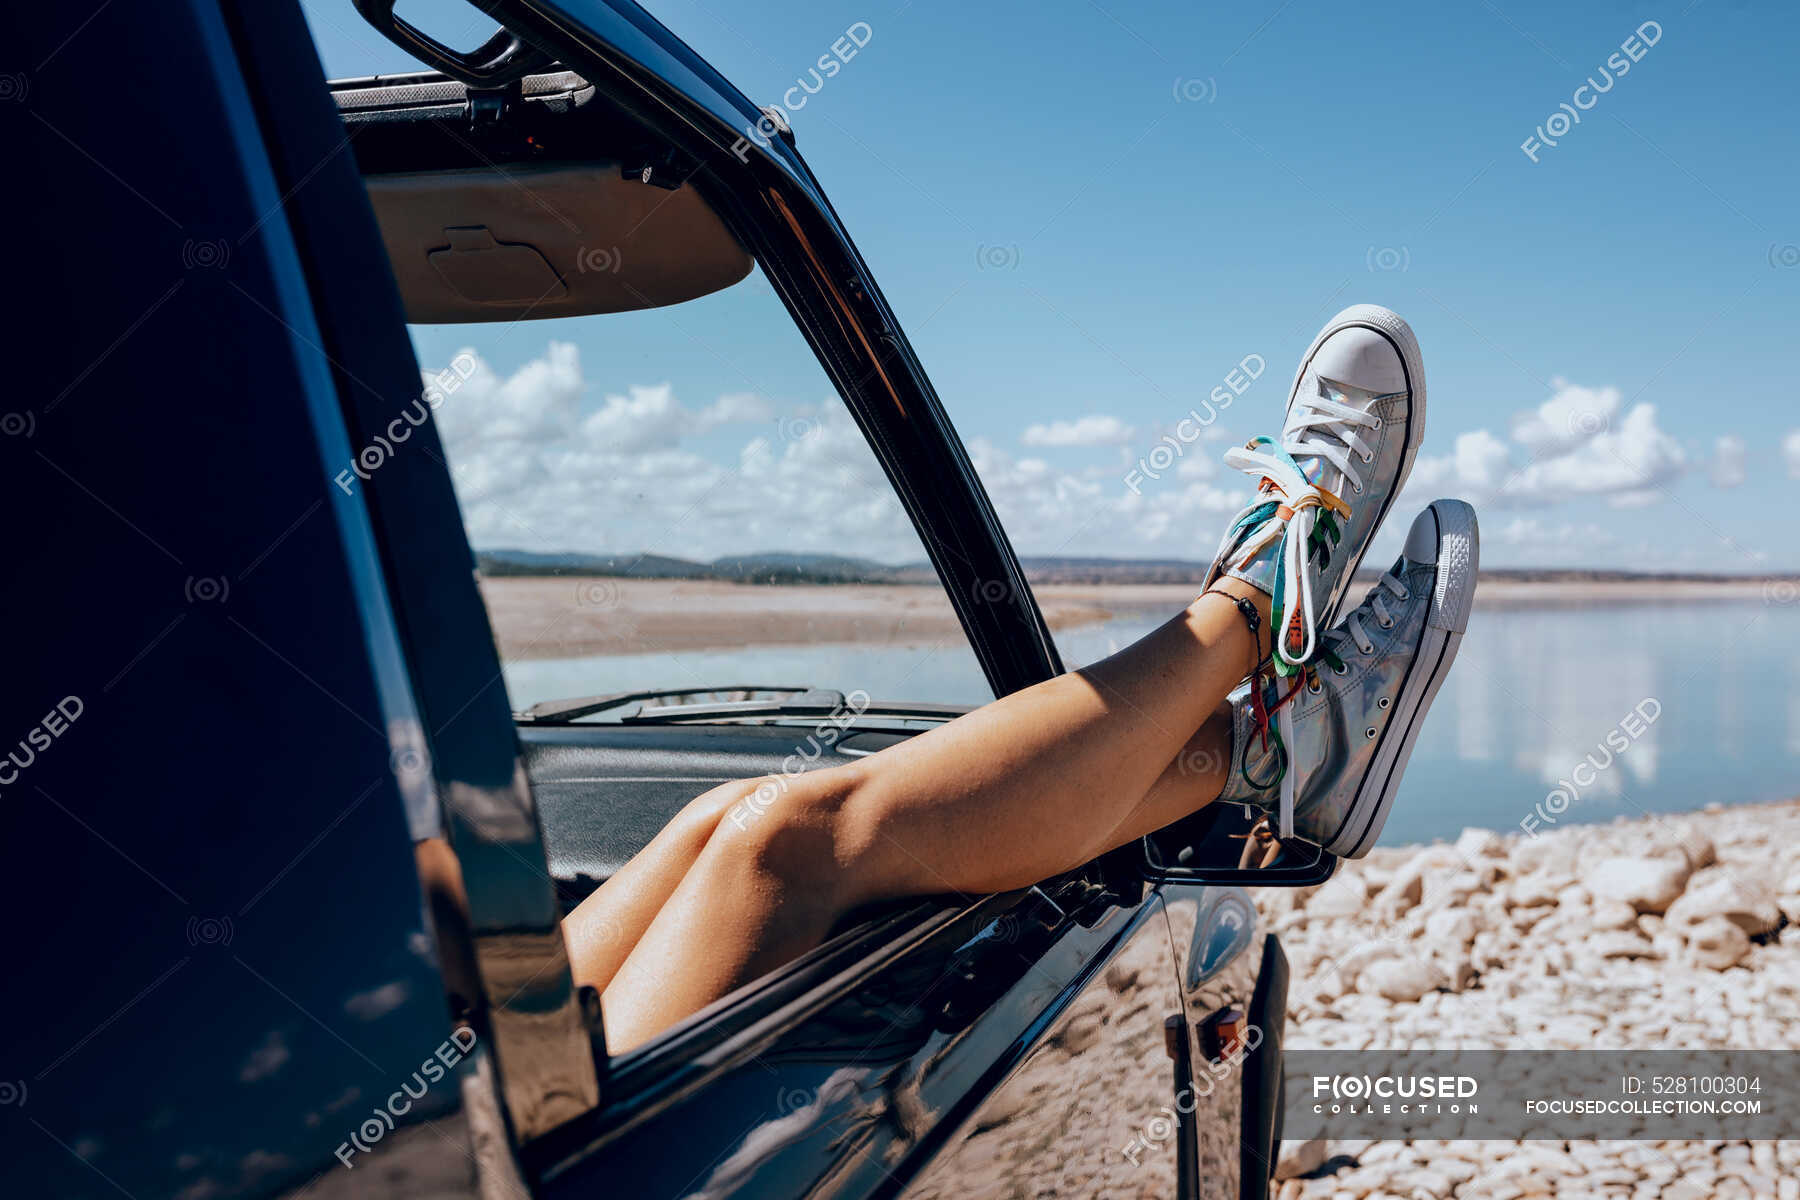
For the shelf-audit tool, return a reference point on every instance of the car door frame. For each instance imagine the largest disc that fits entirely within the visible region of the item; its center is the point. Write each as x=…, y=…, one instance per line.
x=777, y=206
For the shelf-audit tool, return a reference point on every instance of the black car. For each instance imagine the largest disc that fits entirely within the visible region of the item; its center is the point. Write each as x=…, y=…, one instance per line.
x=283, y=867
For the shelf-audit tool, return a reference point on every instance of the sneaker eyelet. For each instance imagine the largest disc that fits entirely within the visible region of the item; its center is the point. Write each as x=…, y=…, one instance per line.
x=1386, y=624
x=1340, y=670
x=1358, y=488
x=1368, y=458
x=1369, y=733
x=1315, y=688
x=1383, y=702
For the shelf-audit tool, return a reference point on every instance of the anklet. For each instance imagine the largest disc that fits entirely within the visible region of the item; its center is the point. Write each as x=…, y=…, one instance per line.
x=1254, y=621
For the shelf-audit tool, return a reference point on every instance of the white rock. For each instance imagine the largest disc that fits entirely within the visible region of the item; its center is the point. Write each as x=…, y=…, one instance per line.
x=1452, y=925
x=1536, y=890
x=1351, y=965
x=1300, y=1158
x=1613, y=914
x=1557, y=855
x=1621, y=944
x=1668, y=943
x=1525, y=918
x=1340, y=896
x=1458, y=969
x=1717, y=943
x=1475, y=844
x=1424, y=1182
x=1403, y=892
x=1452, y=890
x=1694, y=843
x=1574, y=896
x=1745, y=901
x=1399, y=979
x=1647, y=884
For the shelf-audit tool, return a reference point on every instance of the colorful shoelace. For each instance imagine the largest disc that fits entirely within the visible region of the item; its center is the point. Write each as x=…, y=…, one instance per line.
x=1305, y=520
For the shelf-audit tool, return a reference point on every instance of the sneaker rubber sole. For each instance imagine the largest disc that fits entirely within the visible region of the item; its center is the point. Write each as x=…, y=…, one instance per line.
x=1453, y=595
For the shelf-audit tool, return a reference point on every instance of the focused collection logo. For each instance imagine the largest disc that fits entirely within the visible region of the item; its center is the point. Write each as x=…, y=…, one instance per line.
x=1389, y=1094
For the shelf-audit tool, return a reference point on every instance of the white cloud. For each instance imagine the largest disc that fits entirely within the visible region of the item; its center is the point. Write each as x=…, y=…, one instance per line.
x=1049, y=511
x=1624, y=465
x=539, y=466
x=543, y=461
x=1623, y=462
x=1535, y=534
x=1098, y=429
x=647, y=418
x=376, y=1002
x=268, y=1057
x=1790, y=453
x=548, y=459
x=1728, y=469
x=737, y=408
x=1570, y=417
x=1478, y=462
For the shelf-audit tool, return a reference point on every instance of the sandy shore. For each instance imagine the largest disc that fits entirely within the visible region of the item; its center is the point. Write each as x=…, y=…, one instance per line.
x=575, y=617
x=569, y=617
x=1674, y=933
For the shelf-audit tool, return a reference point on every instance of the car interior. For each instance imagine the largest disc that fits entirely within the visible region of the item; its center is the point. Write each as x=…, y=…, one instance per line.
x=544, y=209
x=543, y=201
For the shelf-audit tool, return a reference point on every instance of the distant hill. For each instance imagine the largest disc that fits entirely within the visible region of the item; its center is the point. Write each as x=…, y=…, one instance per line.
x=739, y=568
x=1041, y=569
x=778, y=567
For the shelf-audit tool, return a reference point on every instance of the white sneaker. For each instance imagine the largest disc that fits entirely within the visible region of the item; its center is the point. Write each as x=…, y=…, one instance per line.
x=1355, y=418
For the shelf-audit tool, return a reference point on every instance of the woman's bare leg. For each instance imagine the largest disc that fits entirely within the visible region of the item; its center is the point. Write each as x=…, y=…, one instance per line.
x=608, y=924
x=1034, y=784
x=602, y=930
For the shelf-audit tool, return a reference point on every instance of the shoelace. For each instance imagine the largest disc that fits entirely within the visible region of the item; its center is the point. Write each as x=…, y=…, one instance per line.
x=1317, y=427
x=1340, y=443
x=1303, y=518
x=1354, y=631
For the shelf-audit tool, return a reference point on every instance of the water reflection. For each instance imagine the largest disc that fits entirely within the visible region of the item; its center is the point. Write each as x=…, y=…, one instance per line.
x=1535, y=696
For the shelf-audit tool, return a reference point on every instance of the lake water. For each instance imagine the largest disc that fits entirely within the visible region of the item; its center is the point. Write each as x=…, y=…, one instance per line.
x=1703, y=696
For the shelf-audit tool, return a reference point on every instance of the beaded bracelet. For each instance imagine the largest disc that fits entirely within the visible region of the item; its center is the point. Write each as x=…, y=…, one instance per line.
x=1254, y=621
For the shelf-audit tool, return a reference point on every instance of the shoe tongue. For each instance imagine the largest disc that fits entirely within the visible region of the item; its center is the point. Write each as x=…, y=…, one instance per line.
x=1318, y=470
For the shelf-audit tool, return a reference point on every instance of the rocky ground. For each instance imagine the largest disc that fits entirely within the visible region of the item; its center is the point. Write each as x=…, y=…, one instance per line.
x=1674, y=933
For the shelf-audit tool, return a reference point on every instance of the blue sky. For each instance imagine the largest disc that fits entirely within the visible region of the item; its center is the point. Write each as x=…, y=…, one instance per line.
x=1086, y=210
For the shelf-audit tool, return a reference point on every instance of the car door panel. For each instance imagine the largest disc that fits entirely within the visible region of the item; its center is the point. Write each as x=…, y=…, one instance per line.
x=889, y=1069
x=1088, y=1111
x=1222, y=957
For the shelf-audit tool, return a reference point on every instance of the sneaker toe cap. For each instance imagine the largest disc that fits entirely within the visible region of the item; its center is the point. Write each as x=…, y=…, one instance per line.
x=1362, y=358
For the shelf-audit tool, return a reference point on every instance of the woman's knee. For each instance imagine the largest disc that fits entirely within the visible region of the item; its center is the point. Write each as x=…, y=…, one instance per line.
x=791, y=829
x=693, y=826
